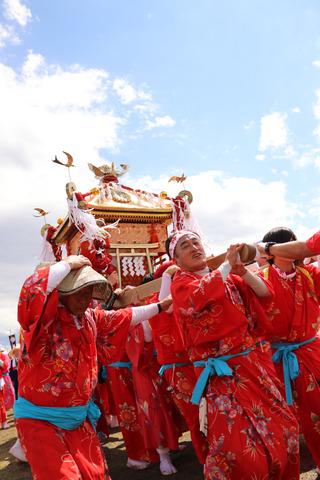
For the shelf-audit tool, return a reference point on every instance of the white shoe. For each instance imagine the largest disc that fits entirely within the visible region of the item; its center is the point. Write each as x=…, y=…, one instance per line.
x=17, y=452
x=137, y=464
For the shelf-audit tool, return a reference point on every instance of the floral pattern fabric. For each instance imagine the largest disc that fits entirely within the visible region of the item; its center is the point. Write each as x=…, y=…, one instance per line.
x=62, y=454
x=251, y=432
x=58, y=365
x=5, y=382
x=121, y=385
x=180, y=379
x=160, y=422
x=295, y=318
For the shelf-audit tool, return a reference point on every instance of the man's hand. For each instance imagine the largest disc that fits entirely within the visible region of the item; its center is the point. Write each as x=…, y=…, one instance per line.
x=233, y=258
x=239, y=269
x=166, y=303
x=134, y=295
x=172, y=270
x=232, y=255
x=77, y=261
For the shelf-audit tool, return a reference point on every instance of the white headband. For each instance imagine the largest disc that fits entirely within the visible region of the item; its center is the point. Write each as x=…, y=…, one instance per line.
x=175, y=239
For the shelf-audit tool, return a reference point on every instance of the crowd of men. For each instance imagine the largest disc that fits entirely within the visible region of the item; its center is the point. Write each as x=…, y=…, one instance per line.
x=230, y=355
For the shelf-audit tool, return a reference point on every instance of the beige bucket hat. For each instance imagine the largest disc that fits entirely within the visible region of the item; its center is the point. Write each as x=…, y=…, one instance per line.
x=83, y=277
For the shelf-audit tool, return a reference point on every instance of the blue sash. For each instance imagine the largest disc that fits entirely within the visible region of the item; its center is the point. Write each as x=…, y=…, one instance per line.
x=120, y=365
x=212, y=366
x=103, y=370
x=284, y=352
x=67, y=418
x=167, y=366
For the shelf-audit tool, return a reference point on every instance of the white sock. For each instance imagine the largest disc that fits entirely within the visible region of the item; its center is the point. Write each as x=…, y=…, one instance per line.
x=17, y=451
x=137, y=464
x=166, y=466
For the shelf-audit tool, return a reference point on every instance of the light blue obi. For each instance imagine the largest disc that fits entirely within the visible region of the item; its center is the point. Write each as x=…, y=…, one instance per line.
x=291, y=370
x=104, y=372
x=67, y=418
x=212, y=366
x=168, y=366
x=120, y=365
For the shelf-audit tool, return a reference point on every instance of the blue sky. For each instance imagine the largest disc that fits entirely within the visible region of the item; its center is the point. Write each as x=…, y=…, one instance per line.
x=226, y=92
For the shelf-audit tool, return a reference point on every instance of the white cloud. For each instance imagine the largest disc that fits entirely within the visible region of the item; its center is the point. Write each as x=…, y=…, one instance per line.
x=260, y=157
x=230, y=209
x=8, y=35
x=17, y=11
x=49, y=109
x=316, y=63
x=310, y=157
x=296, y=110
x=128, y=93
x=164, y=121
x=274, y=131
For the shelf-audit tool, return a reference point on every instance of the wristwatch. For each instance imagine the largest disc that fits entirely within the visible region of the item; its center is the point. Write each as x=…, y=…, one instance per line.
x=267, y=247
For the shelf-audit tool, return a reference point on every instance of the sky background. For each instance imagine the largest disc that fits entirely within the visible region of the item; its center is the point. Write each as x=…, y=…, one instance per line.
x=226, y=92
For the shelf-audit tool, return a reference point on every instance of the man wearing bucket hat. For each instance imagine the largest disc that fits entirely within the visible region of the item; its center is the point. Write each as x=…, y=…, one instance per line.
x=61, y=340
x=250, y=430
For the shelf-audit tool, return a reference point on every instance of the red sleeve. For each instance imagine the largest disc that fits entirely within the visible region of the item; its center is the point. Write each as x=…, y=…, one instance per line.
x=135, y=350
x=313, y=243
x=6, y=363
x=258, y=308
x=112, y=333
x=34, y=304
x=315, y=274
x=198, y=291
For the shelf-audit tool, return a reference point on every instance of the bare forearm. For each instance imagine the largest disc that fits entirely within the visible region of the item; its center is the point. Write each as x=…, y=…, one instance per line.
x=295, y=250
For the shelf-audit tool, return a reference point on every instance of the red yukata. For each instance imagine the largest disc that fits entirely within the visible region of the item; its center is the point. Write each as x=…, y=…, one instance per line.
x=58, y=368
x=6, y=389
x=313, y=243
x=295, y=318
x=120, y=382
x=158, y=417
x=180, y=378
x=251, y=431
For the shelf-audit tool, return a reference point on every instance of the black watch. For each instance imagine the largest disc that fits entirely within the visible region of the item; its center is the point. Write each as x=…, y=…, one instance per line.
x=159, y=307
x=267, y=247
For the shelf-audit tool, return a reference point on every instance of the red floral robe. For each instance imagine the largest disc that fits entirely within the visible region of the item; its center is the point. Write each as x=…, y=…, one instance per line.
x=313, y=243
x=295, y=318
x=120, y=382
x=6, y=388
x=181, y=379
x=58, y=368
x=251, y=431
x=158, y=417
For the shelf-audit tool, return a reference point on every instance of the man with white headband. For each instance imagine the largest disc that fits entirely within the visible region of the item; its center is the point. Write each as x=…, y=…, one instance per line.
x=61, y=341
x=251, y=432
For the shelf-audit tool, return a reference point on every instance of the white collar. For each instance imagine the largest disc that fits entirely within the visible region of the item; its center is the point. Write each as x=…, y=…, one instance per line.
x=203, y=272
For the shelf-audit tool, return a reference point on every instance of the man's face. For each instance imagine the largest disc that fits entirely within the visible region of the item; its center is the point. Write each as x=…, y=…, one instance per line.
x=77, y=303
x=189, y=253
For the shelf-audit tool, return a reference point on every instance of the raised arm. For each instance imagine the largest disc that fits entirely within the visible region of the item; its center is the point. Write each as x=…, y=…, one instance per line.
x=295, y=249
